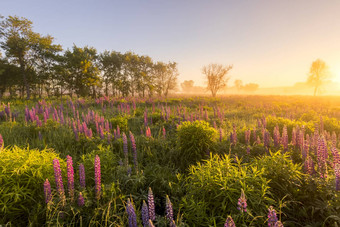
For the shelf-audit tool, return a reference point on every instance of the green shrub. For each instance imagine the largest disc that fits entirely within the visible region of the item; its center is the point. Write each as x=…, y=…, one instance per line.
x=195, y=140
x=22, y=175
x=120, y=121
x=214, y=187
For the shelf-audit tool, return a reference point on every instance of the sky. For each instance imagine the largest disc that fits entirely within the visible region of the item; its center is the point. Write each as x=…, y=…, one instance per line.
x=271, y=43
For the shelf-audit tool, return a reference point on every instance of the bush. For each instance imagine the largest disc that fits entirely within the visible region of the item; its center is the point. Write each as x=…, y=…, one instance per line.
x=22, y=175
x=214, y=187
x=121, y=121
x=195, y=140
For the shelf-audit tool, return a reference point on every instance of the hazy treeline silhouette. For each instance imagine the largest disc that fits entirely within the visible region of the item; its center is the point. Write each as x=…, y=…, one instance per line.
x=32, y=64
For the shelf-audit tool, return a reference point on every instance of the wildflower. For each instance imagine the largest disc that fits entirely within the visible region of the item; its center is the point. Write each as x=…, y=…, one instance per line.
x=145, y=214
x=337, y=176
x=70, y=176
x=151, y=204
x=229, y=222
x=272, y=218
x=322, y=156
x=242, y=202
x=81, y=201
x=47, y=191
x=82, y=176
x=164, y=133
x=131, y=214
x=134, y=149
x=97, y=176
x=1, y=142
x=58, y=179
x=125, y=149
x=168, y=209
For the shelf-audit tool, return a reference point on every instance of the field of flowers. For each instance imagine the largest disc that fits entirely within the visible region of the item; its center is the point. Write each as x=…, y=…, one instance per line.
x=232, y=161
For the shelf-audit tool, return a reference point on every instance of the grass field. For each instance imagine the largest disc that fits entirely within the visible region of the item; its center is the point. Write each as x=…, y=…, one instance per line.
x=182, y=161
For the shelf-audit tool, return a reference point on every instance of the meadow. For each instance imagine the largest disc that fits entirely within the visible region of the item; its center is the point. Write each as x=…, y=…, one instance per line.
x=180, y=161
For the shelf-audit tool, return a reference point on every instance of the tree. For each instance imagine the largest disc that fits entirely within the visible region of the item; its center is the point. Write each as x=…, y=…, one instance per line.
x=187, y=86
x=81, y=64
x=251, y=87
x=216, y=76
x=318, y=73
x=165, y=77
x=24, y=47
x=238, y=84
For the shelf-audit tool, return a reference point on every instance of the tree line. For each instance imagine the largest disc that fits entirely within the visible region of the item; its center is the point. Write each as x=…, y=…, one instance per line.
x=33, y=65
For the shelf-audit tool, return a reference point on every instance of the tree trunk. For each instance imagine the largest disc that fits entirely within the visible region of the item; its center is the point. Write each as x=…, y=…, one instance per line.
x=315, y=90
x=23, y=72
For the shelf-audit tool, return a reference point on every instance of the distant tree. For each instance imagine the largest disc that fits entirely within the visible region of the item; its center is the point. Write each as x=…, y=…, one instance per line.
x=25, y=47
x=251, y=87
x=216, y=76
x=318, y=74
x=187, y=86
x=83, y=72
x=238, y=84
x=165, y=77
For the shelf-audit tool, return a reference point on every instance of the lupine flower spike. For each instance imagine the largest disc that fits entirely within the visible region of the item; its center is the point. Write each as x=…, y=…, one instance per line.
x=151, y=204
x=229, y=222
x=97, y=176
x=169, y=210
x=242, y=202
x=58, y=179
x=81, y=201
x=82, y=176
x=145, y=214
x=47, y=191
x=272, y=218
x=70, y=177
x=1, y=142
x=131, y=214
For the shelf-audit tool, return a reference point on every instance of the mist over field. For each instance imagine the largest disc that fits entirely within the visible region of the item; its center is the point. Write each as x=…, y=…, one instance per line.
x=170, y=113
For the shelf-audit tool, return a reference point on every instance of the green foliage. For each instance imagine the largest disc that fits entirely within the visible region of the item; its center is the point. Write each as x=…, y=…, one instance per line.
x=121, y=121
x=195, y=140
x=281, y=122
x=22, y=175
x=214, y=186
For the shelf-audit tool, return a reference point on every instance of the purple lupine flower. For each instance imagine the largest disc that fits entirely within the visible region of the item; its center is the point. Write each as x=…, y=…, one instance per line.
x=322, y=156
x=337, y=176
x=131, y=214
x=118, y=132
x=168, y=209
x=82, y=176
x=229, y=222
x=70, y=177
x=145, y=214
x=97, y=176
x=284, y=138
x=58, y=179
x=242, y=202
x=1, y=142
x=81, y=200
x=272, y=218
x=134, y=150
x=125, y=149
x=47, y=191
x=151, y=203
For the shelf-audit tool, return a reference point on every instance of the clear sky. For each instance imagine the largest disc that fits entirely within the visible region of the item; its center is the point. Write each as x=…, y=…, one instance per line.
x=272, y=43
